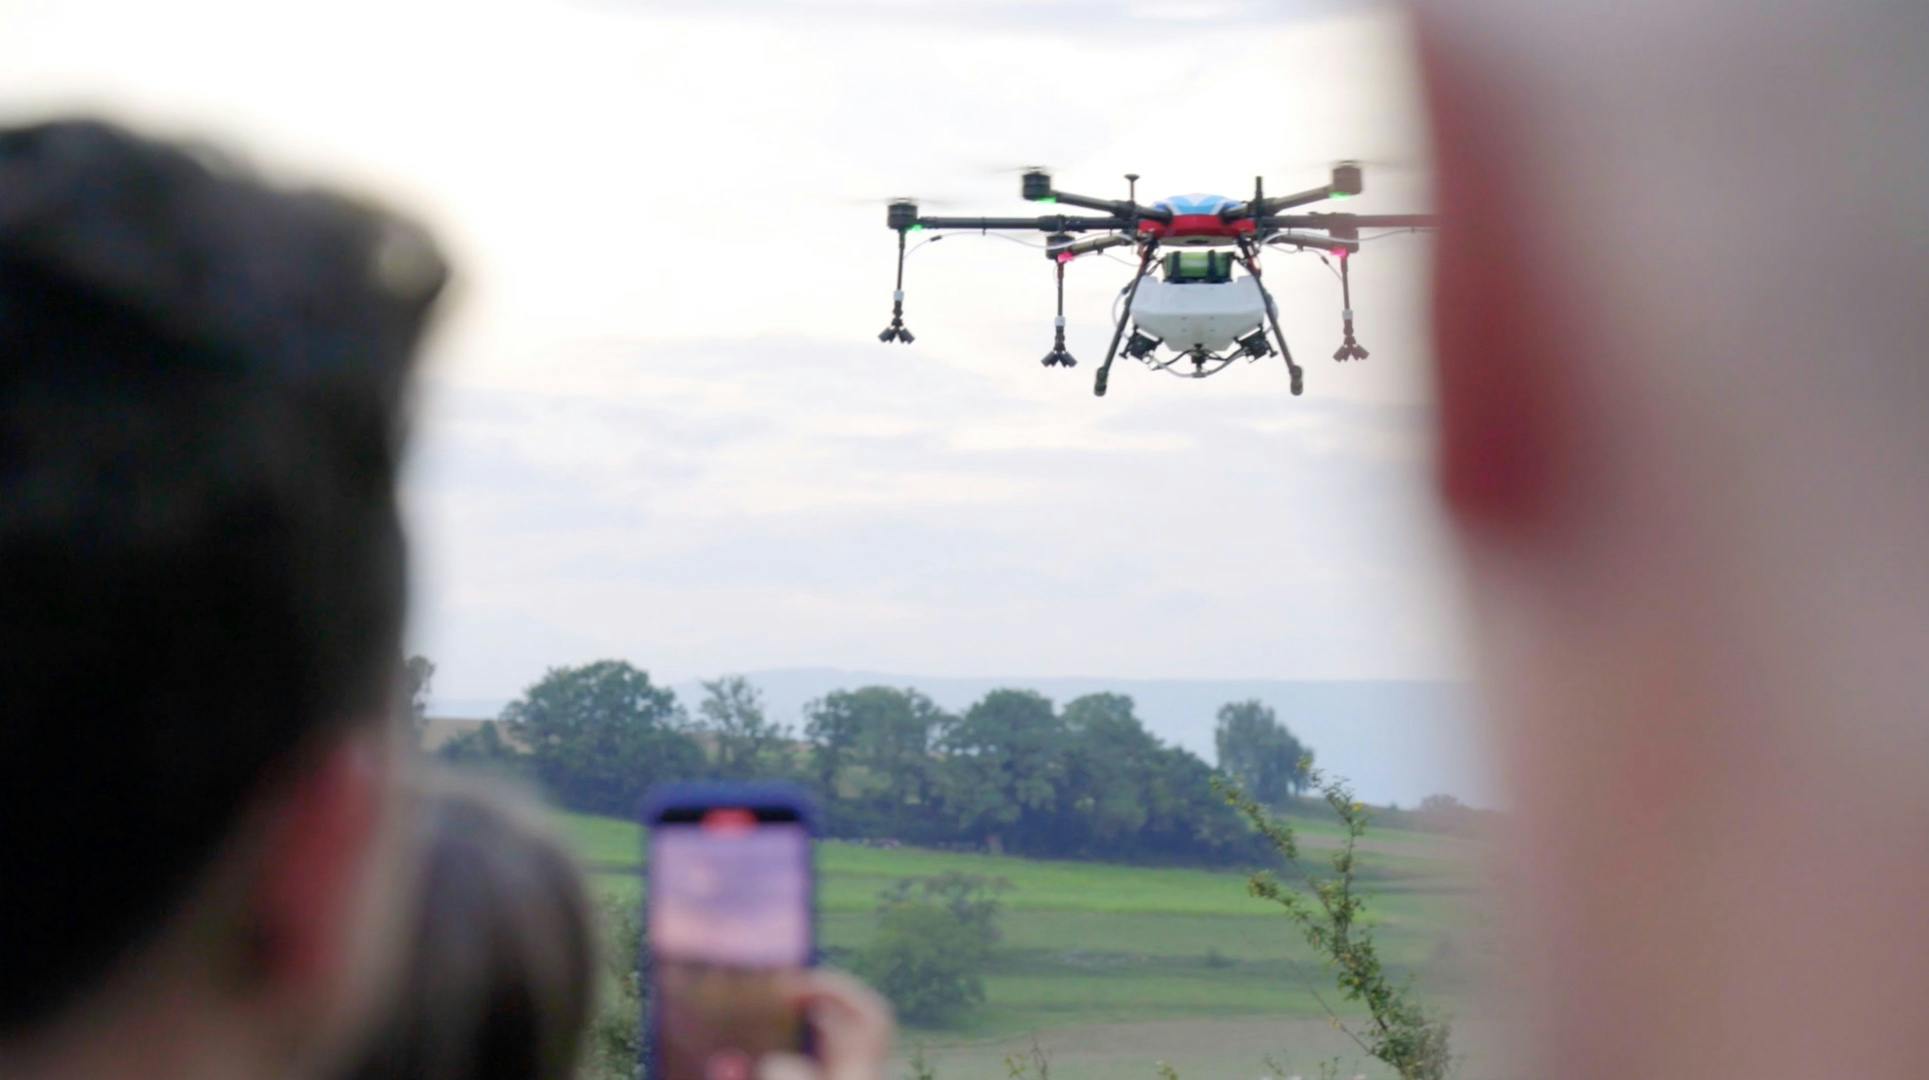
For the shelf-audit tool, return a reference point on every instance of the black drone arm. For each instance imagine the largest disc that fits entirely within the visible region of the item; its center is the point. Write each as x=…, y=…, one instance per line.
x=1347, y=226
x=1287, y=202
x=903, y=217
x=1120, y=215
x=1263, y=208
x=1115, y=207
x=1048, y=223
x=1314, y=240
x=1089, y=245
x=1347, y=180
x=1037, y=187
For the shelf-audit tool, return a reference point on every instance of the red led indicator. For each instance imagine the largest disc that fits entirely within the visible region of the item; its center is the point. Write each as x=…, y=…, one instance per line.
x=729, y=819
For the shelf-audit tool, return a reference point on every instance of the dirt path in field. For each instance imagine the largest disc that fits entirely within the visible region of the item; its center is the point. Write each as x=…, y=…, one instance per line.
x=1205, y=1049
x=1448, y=848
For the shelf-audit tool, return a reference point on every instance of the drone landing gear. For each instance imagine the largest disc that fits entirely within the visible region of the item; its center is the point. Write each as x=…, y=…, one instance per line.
x=1295, y=374
x=1058, y=355
x=896, y=331
x=1349, y=349
x=1125, y=316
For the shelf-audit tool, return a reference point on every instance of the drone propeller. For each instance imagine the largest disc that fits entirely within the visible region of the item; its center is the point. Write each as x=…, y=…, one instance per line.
x=871, y=201
x=1008, y=170
x=1402, y=164
x=1037, y=183
x=1348, y=176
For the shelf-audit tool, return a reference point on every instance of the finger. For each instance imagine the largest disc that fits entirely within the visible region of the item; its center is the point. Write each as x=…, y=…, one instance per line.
x=852, y=1023
x=786, y=1067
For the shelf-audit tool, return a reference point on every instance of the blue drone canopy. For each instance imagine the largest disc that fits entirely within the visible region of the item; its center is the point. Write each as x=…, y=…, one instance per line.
x=1189, y=205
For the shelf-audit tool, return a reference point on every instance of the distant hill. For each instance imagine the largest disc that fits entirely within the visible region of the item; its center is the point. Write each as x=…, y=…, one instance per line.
x=1398, y=741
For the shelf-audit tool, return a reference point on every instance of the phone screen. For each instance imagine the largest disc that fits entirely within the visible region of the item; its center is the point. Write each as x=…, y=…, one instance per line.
x=729, y=915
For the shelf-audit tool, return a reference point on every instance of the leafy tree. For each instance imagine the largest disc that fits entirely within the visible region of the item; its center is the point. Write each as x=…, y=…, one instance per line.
x=933, y=943
x=417, y=672
x=896, y=748
x=1187, y=818
x=921, y=960
x=1003, y=765
x=747, y=743
x=1329, y=910
x=972, y=899
x=831, y=726
x=1121, y=793
x=599, y=735
x=483, y=748
x=1259, y=754
x=1110, y=760
x=872, y=747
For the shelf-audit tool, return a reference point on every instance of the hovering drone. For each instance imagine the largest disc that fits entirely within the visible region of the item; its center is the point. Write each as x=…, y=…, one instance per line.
x=1194, y=307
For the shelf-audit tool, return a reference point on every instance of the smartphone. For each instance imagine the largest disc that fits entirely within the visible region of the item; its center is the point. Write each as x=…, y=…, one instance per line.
x=729, y=911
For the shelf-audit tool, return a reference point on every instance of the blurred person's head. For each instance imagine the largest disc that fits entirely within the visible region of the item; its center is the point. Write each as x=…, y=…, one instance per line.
x=501, y=963
x=201, y=595
x=500, y=955
x=1682, y=314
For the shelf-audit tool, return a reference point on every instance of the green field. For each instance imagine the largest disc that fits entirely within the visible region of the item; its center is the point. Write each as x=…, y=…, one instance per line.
x=1095, y=955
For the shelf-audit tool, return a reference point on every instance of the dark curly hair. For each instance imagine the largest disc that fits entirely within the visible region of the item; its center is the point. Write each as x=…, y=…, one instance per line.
x=201, y=561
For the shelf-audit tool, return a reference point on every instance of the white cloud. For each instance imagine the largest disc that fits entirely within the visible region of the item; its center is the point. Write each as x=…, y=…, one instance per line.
x=659, y=424
x=1398, y=439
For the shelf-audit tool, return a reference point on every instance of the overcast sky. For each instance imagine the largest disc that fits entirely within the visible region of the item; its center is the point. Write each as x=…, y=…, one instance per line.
x=657, y=422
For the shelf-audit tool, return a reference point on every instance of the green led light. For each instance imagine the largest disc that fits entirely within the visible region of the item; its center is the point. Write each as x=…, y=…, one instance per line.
x=917, y=228
x=1342, y=194
x=1049, y=198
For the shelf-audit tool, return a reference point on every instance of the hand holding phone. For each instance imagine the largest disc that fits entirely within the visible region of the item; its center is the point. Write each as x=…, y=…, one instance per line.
x=851, y=1029
x=730, y=925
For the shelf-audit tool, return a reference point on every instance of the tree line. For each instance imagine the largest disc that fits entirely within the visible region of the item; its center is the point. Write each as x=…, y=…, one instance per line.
x=1013, y=772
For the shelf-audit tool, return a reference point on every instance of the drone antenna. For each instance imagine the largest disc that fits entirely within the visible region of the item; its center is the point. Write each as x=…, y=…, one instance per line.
x=1132, y=186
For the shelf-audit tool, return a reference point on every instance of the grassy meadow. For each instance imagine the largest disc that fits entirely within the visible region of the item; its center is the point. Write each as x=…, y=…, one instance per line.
x=1113, y=968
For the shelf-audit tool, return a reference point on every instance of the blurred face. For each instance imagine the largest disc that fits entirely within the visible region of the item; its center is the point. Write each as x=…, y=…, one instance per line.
x=1673, y=452
x=379, y=904
x=335, y=883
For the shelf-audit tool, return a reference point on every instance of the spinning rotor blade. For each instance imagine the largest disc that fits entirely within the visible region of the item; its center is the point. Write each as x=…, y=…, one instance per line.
x=1008, y=170
x=887, y=200
x=1376, y=162
x=1345, y=179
